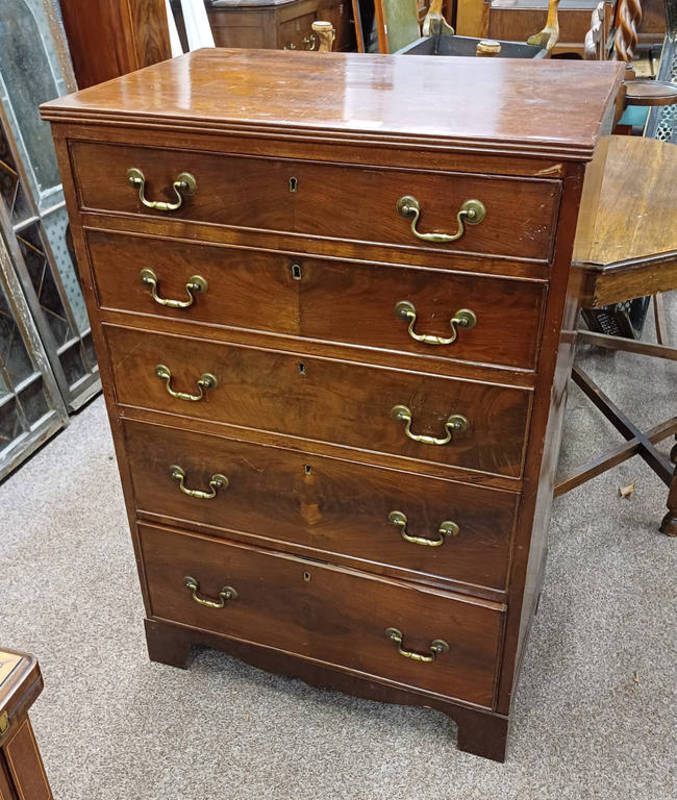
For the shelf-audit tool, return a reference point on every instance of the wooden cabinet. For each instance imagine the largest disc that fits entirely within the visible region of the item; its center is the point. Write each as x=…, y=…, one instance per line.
x=22, y=773
x=279, y=24
x=334, y=320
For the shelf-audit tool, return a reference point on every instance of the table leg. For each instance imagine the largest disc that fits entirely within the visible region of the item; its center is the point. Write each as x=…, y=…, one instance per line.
x=669, y=524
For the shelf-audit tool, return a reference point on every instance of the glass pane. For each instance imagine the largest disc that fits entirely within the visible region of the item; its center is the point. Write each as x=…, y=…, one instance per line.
x=10, y=423
x=33, y=402
x=15, y=363
x=44, y=284
x=56, y=228
x=29, y=78
x=11, y=190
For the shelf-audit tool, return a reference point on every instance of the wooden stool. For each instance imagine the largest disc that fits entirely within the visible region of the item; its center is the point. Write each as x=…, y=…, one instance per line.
x=626, y=247
x=22, y=774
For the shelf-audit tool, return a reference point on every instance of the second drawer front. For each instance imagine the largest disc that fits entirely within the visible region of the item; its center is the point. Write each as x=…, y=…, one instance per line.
x=345, y=302
x=326, y=504
x=336, y=616
x=326, y=400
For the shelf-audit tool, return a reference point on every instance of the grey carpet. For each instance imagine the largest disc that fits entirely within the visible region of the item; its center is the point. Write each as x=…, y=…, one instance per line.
x=594, y=714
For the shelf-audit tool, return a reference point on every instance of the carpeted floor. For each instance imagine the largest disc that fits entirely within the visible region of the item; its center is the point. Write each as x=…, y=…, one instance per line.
x=595, y=710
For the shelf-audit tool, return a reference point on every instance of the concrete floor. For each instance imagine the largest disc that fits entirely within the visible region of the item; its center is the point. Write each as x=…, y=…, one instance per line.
x=594, y=714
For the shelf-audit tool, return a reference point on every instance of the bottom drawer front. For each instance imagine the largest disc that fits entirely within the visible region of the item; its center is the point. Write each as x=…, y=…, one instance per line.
x=326, y=613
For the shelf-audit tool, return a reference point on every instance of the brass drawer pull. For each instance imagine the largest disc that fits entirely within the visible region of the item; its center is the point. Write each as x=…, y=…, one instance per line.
x=196, y=285
x=456, y=423
x=447, y=528
x=437, y=647
x=216, y=482
x=184, y=184
x=227, y=593
x=205, y=381
x=463, y=318
x=472, y=212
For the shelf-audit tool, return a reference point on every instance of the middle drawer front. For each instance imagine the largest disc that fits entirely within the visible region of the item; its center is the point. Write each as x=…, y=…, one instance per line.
x=452, y=530
x=325, y=613
x=470, y=425
x=345, y=302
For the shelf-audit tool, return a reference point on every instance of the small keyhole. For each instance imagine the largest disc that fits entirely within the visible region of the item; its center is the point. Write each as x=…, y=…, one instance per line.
x=302, y=368
x=307, y=468
x=296, y=272
x=306, y=576
x=293, y=184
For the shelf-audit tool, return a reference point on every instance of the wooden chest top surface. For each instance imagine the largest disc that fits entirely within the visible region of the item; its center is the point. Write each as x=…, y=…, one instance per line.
x=546, y=108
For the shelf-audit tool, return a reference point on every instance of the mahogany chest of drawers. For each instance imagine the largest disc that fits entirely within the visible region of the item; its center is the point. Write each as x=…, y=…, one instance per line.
x=332, y=303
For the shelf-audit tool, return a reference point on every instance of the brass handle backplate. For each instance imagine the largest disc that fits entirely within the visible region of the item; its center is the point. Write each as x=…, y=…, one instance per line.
x=226, y=594
x=463, y=318
x=447, y=528
x=456, y=423
x=471, y=212
x=185, y=184
x=437, y=647
x=196, y=285
x=216, y=482
x=205, y=381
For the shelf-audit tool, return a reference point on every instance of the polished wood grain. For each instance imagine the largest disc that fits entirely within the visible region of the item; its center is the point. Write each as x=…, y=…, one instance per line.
x=364, y=95
x=25, y=764
x=318, y=611
x=351, y=302
x=22, y=773
x=258, y=193
x=323, y=399
x=624, y=240
x=6, y=791
x=114, y=37
x=330, y=506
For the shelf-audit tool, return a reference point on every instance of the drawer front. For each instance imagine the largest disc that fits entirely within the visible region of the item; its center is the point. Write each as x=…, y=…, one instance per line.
x=351, y=203
x=322, y=399
x=347, y=302
x=332, y=506
x=325, y=613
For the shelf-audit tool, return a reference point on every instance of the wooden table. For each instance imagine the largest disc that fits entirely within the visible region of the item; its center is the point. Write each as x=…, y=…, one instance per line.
x=22, y=774
x=626, y=247
x=626, y=240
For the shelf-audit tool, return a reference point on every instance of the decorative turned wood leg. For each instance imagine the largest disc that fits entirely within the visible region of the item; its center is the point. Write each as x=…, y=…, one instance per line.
x=669, y=524
x=482, y=735
x=167, y=645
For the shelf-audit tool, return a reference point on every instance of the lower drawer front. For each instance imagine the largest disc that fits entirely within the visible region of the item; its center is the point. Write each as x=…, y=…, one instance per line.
x=325, y=613
x=329, y=505
x=325, y=400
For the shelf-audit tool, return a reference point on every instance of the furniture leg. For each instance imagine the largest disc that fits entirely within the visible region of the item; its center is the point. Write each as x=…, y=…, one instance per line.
x=168, y=645
x=669, y=524
x=482, y=734
x=659, y=318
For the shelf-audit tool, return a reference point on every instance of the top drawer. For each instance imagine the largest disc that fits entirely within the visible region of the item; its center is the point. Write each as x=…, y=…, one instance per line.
x=317, y=199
